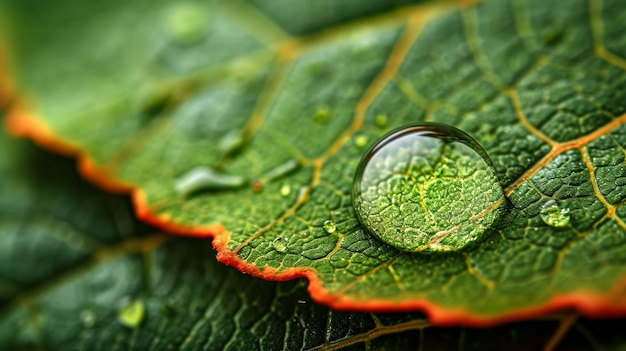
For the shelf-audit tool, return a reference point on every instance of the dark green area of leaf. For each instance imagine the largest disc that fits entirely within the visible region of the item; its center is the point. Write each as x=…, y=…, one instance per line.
x=73, y=257
x=307, y=17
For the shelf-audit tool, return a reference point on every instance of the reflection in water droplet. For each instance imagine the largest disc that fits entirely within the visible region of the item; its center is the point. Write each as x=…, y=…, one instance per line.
x=280, y=244
x=329, y=226
x=427, y=187
x=555, y=216
x=132, y=314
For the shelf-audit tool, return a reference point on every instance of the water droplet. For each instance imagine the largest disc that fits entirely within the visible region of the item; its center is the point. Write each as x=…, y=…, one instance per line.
x=204, y=178
x=281, y=170
x=360, y=141
x=88, y=318
x=280, y=244
x=321, y=115
x=131, y=315
x=187, y=22
x=231, y=141
x=329, y=226
x=285, y=189
x=381, y=121
x=427, y=187
x=554, y=216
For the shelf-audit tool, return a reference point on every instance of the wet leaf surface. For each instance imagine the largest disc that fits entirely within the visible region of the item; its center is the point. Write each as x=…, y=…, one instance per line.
x=540, y=86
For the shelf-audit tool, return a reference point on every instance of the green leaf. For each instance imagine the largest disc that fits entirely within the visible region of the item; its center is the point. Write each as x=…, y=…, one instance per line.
x=73, y=262
x=539, y=85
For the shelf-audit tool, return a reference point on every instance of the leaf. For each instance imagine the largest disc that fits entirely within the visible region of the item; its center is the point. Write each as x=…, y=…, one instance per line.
x=541, y=87
x=73, y=260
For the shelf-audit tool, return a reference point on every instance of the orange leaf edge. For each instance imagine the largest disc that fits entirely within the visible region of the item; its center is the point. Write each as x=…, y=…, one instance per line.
x=21, y=123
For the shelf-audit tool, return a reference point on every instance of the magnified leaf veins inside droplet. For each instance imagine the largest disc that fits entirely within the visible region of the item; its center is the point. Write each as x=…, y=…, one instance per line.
x=428, y=188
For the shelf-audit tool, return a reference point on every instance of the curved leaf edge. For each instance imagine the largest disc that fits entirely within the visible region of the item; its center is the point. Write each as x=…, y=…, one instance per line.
x=20, y=122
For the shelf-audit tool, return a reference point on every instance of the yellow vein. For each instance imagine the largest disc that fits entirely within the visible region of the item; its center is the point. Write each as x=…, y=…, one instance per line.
x=521, y=115
x=596, y=189
x=175, y=92
x=268, y=94
x=369, y=273
x=396, y=58
x=595, y=10
x=376, y=320
x=592, y=176
x=254, y=22
x=559, y=148
x=396, y=277
x=473, y=271
x=562, y=329
x=409, y=91
x=337, y=246
x=522, y=23
x=388, y=19
x=563, y=251
x=376, y=332
x=303, y=197
x=471, y=31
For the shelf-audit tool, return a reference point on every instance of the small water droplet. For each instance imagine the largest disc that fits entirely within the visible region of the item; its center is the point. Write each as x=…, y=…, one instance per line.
x=232, y=140
x=427, y=187
x=329, y=226
x=187, y=22
x=204, y=178
x=360, y=141
x=322, y=115
x=88, y=318
x=285, y=189
x=131, y=315
x=381, y=120
x=281, y=170
x=280, y=244
x=555, y=216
